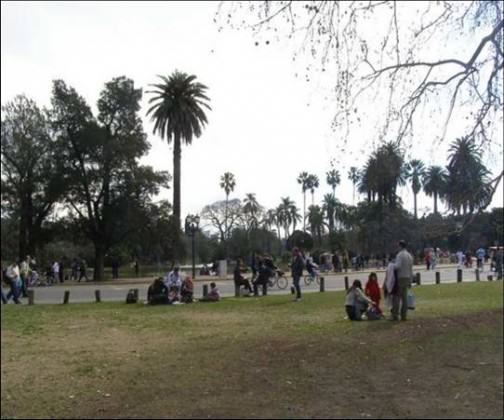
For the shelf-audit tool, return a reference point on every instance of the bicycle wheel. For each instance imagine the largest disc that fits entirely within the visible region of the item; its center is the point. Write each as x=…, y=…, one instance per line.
x=282, y=282
x=318, y=280
x=307, y=280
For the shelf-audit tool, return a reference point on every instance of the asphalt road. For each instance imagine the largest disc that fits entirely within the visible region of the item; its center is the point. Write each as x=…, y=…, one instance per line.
x=117, y=292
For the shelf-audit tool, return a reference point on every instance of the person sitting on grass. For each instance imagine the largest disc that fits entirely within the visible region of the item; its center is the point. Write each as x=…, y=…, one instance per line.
x=372, y=291
x=157, y=292
x=356, y=302
x=187, y=290
x=173, y=295
x=213, y=295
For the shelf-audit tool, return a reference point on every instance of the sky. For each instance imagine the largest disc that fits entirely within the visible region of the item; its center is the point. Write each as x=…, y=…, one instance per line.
x=266, y=126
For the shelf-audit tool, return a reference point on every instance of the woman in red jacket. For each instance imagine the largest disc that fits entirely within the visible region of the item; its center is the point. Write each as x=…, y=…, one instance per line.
x=372, y=290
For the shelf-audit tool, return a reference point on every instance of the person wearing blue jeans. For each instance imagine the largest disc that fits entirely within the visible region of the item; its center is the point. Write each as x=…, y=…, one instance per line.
x=14, y=291
x=297, y=271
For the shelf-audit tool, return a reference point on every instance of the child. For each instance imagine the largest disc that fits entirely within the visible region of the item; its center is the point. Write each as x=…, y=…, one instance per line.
x=372, y=291
x=213, y=295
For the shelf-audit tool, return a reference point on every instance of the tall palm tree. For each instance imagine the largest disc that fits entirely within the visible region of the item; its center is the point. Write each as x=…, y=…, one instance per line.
x=313, y=184
x=270, y=219
x=468, y=186
x=227, y=183
x=295, y=216
x=333, y=179
x=434, y=183
x=303, y=179
x=178, y=114
x=415, y=171
x=284, y=214
x=251, y=208
x=316, y=221
x=353, y=175
x=330, y=204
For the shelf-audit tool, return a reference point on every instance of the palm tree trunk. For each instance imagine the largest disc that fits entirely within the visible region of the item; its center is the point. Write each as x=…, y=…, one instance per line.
x=415, y=205
x=176, y=179
x=313, y=198
x=435, y=202
x=353, y=196
x=304, y=211
x=226, y=228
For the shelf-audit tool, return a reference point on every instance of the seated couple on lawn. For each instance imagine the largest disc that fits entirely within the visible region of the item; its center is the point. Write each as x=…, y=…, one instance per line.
x=163, y=292
x=367, y=302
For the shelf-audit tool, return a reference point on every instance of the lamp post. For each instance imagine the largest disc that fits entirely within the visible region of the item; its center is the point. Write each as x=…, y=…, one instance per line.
x=191, y=227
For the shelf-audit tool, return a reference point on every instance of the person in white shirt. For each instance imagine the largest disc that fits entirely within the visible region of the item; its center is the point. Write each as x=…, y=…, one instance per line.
x=173, y=279
x=404, y=267
x=55, y=271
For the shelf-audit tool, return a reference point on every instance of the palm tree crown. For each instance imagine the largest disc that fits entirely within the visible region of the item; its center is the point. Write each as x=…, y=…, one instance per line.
x=434, y=183
x=177, y=112
x=333, y=179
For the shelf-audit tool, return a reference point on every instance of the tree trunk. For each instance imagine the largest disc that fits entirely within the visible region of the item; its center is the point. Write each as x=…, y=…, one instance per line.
x=98, y=273
x=435, y=202
x=176, y=179
x=304, y=211
x=226, y=228
x=415, y=205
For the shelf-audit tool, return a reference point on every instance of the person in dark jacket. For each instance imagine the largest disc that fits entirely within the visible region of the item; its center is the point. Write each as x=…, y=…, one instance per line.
x=238, y=278
x=297, y=271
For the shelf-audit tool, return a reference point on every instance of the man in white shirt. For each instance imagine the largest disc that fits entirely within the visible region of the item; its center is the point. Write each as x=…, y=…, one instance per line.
x=55, y=270
x=173, y=279
x=404, y=267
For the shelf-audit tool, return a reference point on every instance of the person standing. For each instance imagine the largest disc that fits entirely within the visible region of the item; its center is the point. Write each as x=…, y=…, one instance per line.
x=297, y=271
x=115, y=268
x=14, y=281
x=480, y=255
x=83, y=270
x=137, y=268
x=61, y=271
x=404, y=267
x=55, y=271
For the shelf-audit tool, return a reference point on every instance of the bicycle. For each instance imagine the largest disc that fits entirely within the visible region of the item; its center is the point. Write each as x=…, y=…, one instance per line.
x=278, y=279
x=309, y=279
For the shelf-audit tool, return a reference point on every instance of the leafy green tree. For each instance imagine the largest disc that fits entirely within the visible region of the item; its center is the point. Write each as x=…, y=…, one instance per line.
x=178, y=109
x=302, y=240
x=415, y=171
x=434, y=183
x=31, y=175
x=224, y=216
x=106, y=184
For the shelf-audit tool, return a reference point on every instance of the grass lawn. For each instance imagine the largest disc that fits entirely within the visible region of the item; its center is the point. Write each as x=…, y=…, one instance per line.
x=256, y=357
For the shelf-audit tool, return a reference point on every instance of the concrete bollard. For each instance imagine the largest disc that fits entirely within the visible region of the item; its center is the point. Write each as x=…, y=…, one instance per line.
x=438, y=277
x=490, y=278
x=205, y=290
x=31, y=297
x=66, y=298
x=459, y=275
x=477, y=274
x=418, y=279
x=322, y=284
x=237, y=290
x=346, y=283
x=136, y=294
x=97, y=296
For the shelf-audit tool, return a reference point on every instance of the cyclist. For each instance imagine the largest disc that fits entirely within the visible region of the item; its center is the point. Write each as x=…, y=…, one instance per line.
x=312, y=268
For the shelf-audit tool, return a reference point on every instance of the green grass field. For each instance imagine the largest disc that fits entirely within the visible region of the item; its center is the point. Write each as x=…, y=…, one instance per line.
x=256, y=357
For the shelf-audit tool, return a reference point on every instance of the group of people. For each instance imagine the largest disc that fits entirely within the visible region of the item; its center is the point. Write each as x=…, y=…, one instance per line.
x=398, y=279
x=172, y=289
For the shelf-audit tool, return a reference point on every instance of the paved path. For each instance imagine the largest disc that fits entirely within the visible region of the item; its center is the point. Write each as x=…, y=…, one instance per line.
x=117, y=292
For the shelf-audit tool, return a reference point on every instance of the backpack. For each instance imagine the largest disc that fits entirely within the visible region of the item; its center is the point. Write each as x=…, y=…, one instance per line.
x=372, y=314
x=131, y=297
